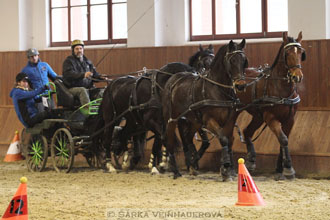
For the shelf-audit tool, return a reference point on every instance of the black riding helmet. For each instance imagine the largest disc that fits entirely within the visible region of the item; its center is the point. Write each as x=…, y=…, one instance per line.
x=23, y=76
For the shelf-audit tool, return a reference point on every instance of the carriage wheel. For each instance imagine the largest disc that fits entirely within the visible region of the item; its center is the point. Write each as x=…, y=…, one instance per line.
x=36, y=153
x=62, y=149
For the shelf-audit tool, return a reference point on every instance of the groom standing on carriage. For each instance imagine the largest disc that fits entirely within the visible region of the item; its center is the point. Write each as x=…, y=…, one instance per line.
x=79, y=74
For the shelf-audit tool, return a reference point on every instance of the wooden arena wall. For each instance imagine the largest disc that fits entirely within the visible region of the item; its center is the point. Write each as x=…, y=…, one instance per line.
x=310, y=136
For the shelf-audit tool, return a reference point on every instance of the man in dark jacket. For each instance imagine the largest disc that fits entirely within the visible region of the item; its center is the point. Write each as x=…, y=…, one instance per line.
x=78, y=72
x=24, y=102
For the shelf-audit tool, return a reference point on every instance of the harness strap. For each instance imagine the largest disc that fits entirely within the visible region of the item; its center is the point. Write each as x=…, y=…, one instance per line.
x=205, y=103
x=204, y=76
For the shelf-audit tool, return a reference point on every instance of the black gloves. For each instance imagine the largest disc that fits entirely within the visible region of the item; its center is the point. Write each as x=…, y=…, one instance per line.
x=46, y=87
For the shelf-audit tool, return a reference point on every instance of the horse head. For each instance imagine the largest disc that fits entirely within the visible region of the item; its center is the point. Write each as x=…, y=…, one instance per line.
x=293, y=55
x=202, y=59
x=235, y=63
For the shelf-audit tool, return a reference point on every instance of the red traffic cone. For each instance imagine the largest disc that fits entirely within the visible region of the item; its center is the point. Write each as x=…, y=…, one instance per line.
x=18, y=209
x=14, y=152
x=248, y=193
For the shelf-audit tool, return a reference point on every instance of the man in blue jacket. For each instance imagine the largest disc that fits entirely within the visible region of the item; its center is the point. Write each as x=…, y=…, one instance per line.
x=24, y=102
x=38, y=73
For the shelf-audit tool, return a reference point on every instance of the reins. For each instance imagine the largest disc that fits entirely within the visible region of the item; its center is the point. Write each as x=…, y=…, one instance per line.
x=132, y=108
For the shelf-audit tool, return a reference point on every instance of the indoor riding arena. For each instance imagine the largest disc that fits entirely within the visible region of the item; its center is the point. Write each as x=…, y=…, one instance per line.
x=261, y=93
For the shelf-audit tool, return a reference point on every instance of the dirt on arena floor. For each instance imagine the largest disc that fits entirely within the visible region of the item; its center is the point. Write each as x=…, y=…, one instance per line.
x=87, y=193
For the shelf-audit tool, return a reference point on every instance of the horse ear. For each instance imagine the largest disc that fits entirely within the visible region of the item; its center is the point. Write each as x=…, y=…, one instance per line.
x=242, y=44
x=246, y=63
x=200, y=48
x=285, y=36
x=299, y=37
x=211, y=47
x=303, y=56
x=231, y=45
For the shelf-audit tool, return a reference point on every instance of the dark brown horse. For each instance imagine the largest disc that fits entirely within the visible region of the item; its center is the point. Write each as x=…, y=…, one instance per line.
x=205, y=100
x=138, y=100
x=271, y=97
x=198, y=63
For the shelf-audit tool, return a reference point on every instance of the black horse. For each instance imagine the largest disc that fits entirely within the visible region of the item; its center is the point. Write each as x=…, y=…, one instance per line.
x=138, y=100
x=206, y=100
x=198, y=63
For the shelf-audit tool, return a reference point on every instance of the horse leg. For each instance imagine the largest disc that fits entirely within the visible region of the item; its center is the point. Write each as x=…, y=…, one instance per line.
x=108, y=167
x=230, y=152
x=125, y=135
x=156, y=155
x=140, y=151
x=286, y=163
x=138, y=148
x=248, y=132
x=190, y=153
x=154, y=121
x=171, y=140
x=285, y=168
x=205, y=142
x=225, y=157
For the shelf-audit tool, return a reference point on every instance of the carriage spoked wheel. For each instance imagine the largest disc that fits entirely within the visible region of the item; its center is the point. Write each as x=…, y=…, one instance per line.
x=36, y=152
x=62, y=150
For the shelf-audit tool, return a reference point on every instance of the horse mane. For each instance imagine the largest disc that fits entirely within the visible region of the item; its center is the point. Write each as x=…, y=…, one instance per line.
x=290, y=40
x=220, y=54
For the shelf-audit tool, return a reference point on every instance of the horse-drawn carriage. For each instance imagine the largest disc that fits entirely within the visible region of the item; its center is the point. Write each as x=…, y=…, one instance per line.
x=163, y=100
x=64, y=136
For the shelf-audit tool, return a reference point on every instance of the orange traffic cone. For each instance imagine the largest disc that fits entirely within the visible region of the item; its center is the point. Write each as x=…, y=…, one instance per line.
x=14, y=152
x=248, y=193
x=18, y=209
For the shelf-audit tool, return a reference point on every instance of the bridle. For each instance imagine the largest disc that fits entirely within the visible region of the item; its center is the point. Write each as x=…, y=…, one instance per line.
x=290, y=76
x=201, y=61
x=228, y=57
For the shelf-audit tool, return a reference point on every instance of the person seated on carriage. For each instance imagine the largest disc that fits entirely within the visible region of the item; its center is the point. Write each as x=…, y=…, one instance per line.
x=24, y=102
x=38, y=73
x=79, y=74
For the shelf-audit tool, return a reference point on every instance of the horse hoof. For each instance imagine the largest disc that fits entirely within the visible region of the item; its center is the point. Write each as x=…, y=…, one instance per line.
x=250, y=165
x=163, y=166
x=161, y=169
x=292, y=177
x=176, y=175
x=233, y=173
x=193, y=172
x=279, y=176
x=154, y=171
x=289, y=172
x=227, y=179
x=110, y=168
x=125, y=166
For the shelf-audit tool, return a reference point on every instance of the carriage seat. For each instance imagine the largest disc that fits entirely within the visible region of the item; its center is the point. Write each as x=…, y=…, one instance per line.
x=64, y=97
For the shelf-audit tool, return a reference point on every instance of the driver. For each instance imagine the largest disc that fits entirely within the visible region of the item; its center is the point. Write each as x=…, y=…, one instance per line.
x=78, y=72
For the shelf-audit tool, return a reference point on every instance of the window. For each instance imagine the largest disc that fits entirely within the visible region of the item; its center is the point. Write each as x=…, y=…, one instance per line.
x=232, y=19
x=93, y=21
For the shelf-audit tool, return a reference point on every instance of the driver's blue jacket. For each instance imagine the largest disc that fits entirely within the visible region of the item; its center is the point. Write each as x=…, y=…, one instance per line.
x=39, y=73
